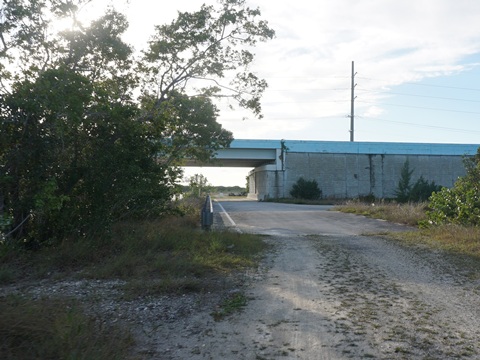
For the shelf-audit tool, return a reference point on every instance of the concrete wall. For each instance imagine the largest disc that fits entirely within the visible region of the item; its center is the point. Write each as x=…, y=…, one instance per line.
x=347, y=175
x=266, y=182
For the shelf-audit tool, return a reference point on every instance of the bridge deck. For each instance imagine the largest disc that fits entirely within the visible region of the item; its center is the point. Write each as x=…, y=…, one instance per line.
x=255, y=153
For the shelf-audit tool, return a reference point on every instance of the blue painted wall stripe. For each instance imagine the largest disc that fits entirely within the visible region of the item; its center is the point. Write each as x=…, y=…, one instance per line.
x=343, y=147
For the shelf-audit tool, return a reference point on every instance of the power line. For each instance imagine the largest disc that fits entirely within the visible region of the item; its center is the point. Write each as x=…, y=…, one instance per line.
x=426, y=85
x=308, y=77
x=419, y=96
x=420, y=107
x=309, y=89
x=319, y=102
x=421, y=125
x=383, y=120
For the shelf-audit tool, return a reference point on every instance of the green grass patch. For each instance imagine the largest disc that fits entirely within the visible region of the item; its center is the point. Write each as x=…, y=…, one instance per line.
x=47, y=329
x=235, y=302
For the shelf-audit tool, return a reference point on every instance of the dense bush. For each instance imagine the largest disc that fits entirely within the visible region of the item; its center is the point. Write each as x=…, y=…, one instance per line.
x=460, y=204
x=306, y=189
x=422, y=190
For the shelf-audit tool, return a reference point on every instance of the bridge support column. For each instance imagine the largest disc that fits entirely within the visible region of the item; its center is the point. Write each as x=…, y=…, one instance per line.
x=266, y=182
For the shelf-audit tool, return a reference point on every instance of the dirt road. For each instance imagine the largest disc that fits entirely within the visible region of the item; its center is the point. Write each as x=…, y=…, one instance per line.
x=328, y=292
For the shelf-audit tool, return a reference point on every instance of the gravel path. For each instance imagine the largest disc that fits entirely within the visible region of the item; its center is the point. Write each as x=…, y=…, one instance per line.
x=313, y=297
x=341, y=298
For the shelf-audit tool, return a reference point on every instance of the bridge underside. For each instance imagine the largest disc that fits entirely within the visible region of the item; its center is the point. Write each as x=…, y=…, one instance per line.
x=247, y=163
x=239, y=157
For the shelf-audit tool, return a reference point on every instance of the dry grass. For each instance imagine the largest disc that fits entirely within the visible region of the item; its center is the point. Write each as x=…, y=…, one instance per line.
x=408, y=214
x=454, y=239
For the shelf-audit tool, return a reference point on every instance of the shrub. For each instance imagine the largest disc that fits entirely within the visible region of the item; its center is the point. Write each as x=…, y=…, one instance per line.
x=460, y=204
x=306, y=189
x=422, y=190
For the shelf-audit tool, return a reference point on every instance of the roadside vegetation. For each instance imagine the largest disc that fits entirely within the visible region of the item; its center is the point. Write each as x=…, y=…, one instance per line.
x=453, y=238
x=403, y=213
x=152, y=258
x=93, y=133
x=56, y=329
x=172, y=249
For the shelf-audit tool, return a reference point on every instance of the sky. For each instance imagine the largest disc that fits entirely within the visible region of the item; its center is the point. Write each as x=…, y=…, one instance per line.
x=417, y=65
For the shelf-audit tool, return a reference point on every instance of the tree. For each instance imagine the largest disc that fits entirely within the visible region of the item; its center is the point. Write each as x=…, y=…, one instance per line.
x=420, y=191
x=402, y=193
x=199, y=185
x=188, y=126
x=203, y=47
x=78, y=149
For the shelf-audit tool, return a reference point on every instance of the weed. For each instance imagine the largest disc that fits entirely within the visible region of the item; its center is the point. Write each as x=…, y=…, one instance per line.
x=152, y=257
x=401, y=350
x=165, y=249
x=463, y=242
x=233, y=303
x=48, y=329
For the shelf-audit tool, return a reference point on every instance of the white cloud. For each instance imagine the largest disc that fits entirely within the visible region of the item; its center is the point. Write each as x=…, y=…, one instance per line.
x=308, y=64
x=373, y=112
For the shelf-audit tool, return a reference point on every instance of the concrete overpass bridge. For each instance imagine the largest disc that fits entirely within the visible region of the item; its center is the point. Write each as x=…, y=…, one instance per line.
x=342, y=169
x=244, y=153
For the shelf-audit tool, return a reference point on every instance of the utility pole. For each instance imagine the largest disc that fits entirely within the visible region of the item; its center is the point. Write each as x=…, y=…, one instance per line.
x=352, y=108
